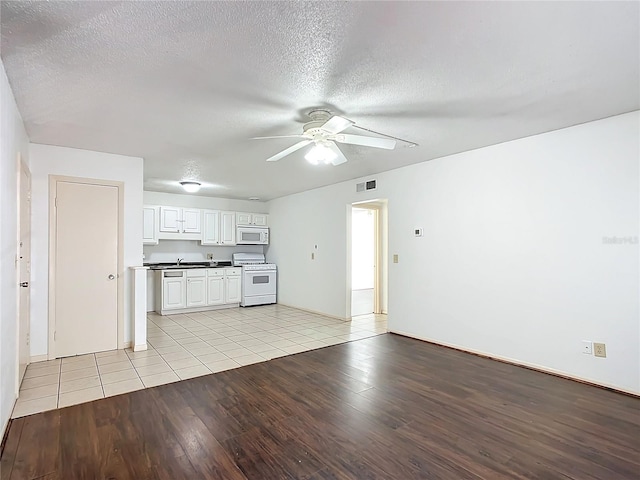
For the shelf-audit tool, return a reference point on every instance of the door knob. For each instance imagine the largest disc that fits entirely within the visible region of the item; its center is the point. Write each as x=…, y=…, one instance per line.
x=111, y=277
x=24, y=284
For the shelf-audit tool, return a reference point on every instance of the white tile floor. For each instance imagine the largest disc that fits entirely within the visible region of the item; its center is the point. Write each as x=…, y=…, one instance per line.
x=185, y=346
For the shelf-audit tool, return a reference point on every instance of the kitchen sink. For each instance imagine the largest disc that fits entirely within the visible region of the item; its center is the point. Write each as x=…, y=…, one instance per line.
x=182, y=267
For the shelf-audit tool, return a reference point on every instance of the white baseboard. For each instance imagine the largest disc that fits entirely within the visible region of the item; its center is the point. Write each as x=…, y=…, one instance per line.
x=140, y=348
x=38, y=358
x=316, y=312
x=519, y=363
x=44, y=357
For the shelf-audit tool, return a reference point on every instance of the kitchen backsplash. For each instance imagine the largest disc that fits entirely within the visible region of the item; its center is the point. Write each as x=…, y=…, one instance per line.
x=192, y=251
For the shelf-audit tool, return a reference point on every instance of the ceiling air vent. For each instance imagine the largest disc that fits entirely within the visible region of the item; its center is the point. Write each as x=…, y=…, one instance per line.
x=366, y=186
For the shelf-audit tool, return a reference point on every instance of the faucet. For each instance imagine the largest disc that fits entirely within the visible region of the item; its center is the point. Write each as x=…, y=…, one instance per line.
x=179, y=260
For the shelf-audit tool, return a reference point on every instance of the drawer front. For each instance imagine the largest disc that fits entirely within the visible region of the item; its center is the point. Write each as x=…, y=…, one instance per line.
x=233, y=271
x=173, y=273
x=197, y=272
x=215, y=272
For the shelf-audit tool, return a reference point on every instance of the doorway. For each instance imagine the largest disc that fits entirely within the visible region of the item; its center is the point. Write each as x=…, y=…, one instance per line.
x=368, y=268
x=24, y=267
x=363, y=261
x=85, y=264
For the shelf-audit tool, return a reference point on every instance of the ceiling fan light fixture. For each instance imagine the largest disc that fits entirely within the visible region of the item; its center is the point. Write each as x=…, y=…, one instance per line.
x=190, y=186
x=320, y=154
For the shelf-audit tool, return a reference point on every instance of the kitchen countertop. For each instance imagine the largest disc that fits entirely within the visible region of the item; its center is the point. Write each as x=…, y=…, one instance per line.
x=187, y=265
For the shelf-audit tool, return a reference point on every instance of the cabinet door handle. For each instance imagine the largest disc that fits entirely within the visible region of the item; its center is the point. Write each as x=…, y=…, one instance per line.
x=111, y=277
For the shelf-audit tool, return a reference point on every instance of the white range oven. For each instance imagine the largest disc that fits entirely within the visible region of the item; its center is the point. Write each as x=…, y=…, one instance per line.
x=259, y=279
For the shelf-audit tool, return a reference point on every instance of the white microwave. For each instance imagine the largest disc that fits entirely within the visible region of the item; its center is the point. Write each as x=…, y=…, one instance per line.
x=252, y=235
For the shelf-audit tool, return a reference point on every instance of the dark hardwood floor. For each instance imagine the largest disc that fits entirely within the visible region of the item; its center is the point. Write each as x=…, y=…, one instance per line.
x=385, y=407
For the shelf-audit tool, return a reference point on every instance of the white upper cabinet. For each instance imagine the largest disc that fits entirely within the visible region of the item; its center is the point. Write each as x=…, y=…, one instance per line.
x=244, y=218
x=191, y=220
x=210, y=227
x=260, y=219
x=149, y=225
x=227, y=228
x=170, y=219
x=179, y=220
x=219, y=228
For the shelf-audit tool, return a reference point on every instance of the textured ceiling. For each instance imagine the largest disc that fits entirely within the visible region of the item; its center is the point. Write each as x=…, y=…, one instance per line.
x=186, y=84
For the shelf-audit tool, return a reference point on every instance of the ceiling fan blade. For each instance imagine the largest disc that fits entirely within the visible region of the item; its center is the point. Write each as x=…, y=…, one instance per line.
x=336, y=124
x=289, y=150
x=340, y=158
x=281, y=136
x=366, y=141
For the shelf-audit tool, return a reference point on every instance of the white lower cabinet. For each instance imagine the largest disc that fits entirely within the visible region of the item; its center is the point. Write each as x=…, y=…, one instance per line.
x=233, y=285
x=173, y=290
x=215, y=286
x=197, y=289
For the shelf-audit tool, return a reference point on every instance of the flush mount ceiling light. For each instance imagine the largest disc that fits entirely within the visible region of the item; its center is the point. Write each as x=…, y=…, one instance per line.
x=190, y=186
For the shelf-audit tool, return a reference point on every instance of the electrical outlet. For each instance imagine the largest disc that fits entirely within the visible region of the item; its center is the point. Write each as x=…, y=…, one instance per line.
x=587, y=347
x=209, y=256
x=395, y=258
x=313, y=256
x=600, y=350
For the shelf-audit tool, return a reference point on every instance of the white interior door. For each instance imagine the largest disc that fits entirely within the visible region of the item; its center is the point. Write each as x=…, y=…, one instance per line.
x=86, y=268
x=24, y=247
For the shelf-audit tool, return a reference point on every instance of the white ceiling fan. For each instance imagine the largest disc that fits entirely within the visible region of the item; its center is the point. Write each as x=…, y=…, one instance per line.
x=324, y=130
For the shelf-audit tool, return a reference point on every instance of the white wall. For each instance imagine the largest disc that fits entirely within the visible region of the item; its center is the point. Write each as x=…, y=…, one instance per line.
x=513, y=262
x=13, y=140
x=49, y=160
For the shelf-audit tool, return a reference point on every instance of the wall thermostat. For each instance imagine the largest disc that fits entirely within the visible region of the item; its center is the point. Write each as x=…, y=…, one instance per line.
x=417, y=232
